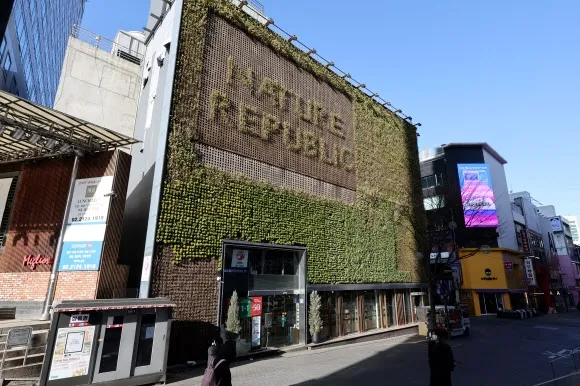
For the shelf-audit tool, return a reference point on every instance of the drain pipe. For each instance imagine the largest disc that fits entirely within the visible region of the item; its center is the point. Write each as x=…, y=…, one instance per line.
x=52, y=283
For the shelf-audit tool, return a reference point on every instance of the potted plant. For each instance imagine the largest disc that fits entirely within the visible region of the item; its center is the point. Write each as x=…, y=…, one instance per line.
x=315, y=320
x=233, y=325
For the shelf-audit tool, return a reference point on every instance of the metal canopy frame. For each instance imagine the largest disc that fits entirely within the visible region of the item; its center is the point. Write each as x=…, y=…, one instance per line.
x=29, y=131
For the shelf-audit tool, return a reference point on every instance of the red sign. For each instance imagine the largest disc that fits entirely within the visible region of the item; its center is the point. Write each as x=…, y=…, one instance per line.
x=256, y=306
x=32, y=261
x=525, y=242
x=508, y=265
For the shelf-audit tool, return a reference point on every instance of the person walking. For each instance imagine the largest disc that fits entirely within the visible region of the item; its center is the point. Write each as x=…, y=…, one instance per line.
x=441, y=362
x=217, y=372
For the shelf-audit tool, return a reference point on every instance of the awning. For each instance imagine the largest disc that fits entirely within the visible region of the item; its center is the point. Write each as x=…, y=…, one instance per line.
x=111, y=304
x=30, y=131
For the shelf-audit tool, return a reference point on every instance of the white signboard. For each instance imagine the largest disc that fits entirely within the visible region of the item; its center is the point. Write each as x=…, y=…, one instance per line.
x=18, y=337
x=72, y=352
x=256, y=326
x=556, y=224
x=90, y=204
x=530, y=274
x=87, y=223
x=240, y=258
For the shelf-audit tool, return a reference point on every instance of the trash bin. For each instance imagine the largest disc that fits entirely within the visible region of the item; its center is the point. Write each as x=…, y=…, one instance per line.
x=111, y=341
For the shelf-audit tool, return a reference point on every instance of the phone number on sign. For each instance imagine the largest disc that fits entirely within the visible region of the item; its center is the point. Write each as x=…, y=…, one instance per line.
x=80, y=266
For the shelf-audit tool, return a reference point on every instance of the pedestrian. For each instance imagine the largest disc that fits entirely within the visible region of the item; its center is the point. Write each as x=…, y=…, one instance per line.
x=441, y=361
x=217, y=372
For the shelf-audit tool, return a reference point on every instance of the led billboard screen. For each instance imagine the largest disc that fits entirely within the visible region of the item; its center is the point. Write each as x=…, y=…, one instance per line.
x=477, y=196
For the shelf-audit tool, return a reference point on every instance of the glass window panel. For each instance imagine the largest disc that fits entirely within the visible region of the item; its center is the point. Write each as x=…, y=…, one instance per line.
x=145, y=344
x=370, y=307
x=349, y=313
x=407, y=307
x=111, y=344
x=391, y=307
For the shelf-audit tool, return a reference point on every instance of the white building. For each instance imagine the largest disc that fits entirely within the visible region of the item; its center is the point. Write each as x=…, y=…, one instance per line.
x=573, y=221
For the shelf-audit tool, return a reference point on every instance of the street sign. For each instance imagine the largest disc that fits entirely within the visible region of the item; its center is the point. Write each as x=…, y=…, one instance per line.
x=18, y=337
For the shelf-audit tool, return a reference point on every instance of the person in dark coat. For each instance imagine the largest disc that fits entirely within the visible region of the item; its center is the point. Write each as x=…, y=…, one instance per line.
x=441, y=362
x=223, y=376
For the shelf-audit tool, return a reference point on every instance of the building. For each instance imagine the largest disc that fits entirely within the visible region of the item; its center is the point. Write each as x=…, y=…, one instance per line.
x=573, y=221
x=465, y=183
x=44, y=154
x=536, y=242
x=246, y=182
x=493, y=281
x=34, y=44
x=100, y=80
x=566, y=251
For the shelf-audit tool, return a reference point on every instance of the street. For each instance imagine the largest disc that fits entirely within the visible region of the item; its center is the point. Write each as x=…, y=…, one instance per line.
x=498, y=352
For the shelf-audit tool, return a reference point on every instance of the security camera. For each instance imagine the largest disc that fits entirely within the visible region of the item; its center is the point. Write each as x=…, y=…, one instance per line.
x=110, y=194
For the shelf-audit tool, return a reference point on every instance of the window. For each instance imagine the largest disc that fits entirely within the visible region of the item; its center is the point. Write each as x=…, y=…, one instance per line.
x=432, y=181
x=145, y=343
x=432, y=203
x=7, y=195
x=2, y=47
x=7, y=63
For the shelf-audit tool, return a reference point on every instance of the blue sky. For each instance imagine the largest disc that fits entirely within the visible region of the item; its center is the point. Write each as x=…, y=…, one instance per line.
x=502, y=72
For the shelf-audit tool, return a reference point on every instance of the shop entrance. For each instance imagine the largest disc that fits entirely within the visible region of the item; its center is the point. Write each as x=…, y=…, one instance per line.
x=490, y=303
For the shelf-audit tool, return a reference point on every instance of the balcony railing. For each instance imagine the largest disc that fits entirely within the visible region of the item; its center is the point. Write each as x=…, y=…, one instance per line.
x=107, y=45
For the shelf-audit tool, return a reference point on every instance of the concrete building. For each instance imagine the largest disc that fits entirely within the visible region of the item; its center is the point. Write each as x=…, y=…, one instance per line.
x=485, y=220
x=566, y=251
x=573, y=221
x=34, y=44
x=536, y=242
x=100, y=80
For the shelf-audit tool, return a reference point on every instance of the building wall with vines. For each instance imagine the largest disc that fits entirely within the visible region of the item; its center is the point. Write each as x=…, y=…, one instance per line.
x=267, y=145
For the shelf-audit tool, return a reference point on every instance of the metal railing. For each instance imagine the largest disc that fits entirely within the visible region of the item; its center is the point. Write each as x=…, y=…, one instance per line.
x=108, y=45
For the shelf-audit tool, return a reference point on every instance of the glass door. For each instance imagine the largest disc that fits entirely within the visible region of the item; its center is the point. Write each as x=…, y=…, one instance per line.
x=150, y=343
x=116, y=342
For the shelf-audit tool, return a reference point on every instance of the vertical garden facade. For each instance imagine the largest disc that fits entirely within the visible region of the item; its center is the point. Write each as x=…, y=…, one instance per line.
x=281, y=178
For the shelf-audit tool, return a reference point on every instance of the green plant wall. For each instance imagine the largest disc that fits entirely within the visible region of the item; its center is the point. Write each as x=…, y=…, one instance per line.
x=372, y=240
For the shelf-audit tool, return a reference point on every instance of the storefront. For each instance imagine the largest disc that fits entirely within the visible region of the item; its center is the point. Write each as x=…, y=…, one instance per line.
x=493, y=281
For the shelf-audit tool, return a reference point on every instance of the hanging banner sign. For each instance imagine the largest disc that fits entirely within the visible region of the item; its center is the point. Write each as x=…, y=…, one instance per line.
x=256, y=306
x=530, y=274
x=72, y=352
x=87, y=221
x=256, y=326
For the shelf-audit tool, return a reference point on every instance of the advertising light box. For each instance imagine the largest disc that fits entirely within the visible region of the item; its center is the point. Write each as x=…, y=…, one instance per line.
x=477, y=196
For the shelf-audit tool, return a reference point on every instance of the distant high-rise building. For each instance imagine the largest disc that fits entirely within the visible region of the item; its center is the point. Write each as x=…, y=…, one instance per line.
x=34, y=44
x=573, y=221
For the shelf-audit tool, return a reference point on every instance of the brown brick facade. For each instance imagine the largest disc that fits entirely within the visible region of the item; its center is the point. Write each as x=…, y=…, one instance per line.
x=35, y=224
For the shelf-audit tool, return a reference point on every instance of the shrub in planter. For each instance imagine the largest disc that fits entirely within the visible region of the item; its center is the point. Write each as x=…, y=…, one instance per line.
x=233, y=325
x=314, y=318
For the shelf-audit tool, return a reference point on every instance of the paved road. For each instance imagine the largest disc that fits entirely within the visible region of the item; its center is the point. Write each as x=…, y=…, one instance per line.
x=498, y=352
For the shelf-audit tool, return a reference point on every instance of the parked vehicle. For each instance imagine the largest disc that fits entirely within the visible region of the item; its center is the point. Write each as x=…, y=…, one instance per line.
x=454, y=322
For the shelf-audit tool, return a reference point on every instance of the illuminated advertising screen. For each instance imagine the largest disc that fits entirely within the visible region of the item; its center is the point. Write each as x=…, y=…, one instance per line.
x=477, y=196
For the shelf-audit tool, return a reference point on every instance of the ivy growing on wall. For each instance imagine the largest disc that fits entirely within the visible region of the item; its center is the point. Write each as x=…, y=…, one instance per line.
x=369, y=241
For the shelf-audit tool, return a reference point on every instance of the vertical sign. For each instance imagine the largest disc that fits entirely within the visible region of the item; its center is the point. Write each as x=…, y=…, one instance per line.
x=87, y=221
x=477, y=196
x=256, y=306
x=256, y=326
x=530, y=274
x=525, y=241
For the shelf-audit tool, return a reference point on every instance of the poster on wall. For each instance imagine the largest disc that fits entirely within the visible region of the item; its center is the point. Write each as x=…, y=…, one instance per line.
x=240, y=258
x=256, y=326
x=477, y=196
x=530, y=274
x=87, y=221
x=72, y=352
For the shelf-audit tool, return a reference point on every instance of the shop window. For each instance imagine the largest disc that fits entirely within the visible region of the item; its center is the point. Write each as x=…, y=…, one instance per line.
x=328, y=315
x=349, y=313
x=408, y=311
x=274, y=269
x=281, y=321
x=391, y=308
x=370, y=310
